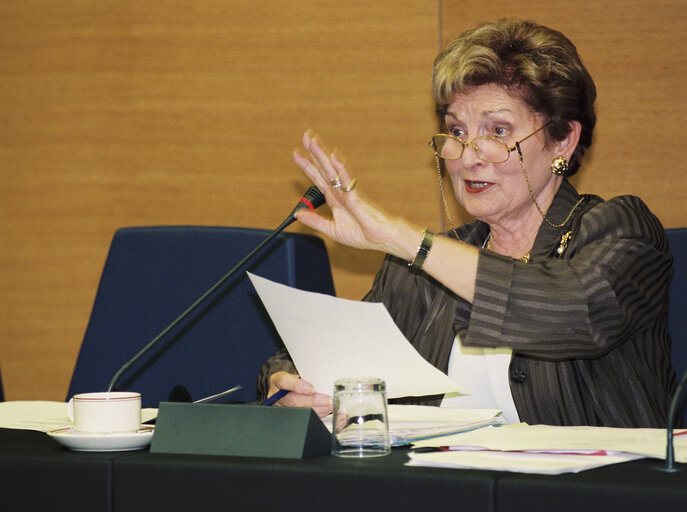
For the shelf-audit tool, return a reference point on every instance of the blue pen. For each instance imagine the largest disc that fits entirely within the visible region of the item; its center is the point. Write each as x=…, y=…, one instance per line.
x=276, y=397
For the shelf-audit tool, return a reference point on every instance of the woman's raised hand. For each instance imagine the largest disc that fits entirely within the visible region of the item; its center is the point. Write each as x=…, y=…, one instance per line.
x=355, y=222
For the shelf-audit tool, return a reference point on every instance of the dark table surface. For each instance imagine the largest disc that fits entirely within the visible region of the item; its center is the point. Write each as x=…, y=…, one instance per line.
x=36, y=473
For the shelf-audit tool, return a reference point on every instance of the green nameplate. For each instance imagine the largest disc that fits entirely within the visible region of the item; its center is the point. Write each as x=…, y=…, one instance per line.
x=240, y=430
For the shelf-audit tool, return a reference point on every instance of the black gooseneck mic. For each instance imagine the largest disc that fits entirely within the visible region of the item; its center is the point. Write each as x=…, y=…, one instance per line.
x=312, y=199
x=675, y=406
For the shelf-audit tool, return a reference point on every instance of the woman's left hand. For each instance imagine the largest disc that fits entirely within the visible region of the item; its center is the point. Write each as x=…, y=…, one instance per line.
x=355, y=222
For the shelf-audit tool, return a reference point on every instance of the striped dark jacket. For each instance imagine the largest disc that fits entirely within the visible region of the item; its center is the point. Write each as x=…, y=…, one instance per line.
x=588, y=327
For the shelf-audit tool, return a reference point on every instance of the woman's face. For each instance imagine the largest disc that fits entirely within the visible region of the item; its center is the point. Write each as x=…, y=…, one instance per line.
x=497, y=193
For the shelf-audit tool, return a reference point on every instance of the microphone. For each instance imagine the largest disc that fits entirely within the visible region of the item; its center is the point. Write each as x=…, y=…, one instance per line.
x=312, y=199
x=675, y=406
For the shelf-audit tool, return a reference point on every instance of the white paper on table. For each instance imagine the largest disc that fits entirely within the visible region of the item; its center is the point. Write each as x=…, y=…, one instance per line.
x=330, y=338
x=43, y=416
x=645, y=442
x=547, y=464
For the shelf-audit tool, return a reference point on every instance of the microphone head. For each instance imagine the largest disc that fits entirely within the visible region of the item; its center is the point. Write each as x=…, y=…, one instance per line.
x=312, y=199
x=315, y=197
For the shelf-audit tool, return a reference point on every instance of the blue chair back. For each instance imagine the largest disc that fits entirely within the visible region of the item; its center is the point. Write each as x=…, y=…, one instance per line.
x=152, y=274
x=677, y=315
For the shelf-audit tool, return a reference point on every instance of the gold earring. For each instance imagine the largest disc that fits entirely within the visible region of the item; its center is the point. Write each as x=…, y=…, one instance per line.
x=559, y=166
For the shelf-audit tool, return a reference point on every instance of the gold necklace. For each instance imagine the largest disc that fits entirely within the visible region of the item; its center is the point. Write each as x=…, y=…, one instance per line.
x=524, y=259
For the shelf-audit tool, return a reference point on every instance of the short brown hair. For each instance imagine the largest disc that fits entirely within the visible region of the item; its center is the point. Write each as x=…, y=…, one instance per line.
x=537, y=63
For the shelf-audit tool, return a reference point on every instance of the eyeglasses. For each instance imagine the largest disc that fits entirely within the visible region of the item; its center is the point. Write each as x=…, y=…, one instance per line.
x=489, y=149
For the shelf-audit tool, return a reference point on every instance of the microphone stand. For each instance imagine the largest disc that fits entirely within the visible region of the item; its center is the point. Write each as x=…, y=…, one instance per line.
x=313, y=194
x=675, y=404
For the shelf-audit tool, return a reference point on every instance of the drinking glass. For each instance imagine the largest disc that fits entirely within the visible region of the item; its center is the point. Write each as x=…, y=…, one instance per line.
x=360, y=425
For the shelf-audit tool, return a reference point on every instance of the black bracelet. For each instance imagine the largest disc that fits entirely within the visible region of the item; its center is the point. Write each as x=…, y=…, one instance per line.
x=422, y=250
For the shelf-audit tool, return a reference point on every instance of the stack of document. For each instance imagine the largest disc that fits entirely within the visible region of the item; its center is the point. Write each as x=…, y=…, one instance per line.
x=412, y=423
x=545, y=449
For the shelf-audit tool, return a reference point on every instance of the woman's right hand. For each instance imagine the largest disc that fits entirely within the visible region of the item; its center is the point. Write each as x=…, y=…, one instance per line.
x=301, y=393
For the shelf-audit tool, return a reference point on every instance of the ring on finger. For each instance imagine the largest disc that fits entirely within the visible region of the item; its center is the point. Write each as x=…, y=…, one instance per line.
x=336, y=183
x=350, y=186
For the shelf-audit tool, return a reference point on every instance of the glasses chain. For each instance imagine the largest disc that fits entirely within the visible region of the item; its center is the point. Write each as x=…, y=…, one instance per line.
x=534, y=199
x=443, y=197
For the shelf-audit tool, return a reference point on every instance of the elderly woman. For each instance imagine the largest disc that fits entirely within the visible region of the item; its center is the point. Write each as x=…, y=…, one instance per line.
x=552, y=305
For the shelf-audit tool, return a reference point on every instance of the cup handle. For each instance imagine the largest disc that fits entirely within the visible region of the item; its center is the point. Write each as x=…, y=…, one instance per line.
x=70, y=410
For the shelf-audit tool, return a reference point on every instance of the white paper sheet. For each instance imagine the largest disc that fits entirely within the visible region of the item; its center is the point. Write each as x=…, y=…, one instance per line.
x=330, y=338
x=545, y=464
x=647, y=442
x=43, y=416
x=546, y=449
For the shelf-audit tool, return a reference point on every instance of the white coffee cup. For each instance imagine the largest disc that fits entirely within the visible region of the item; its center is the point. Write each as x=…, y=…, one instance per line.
x=108, y=412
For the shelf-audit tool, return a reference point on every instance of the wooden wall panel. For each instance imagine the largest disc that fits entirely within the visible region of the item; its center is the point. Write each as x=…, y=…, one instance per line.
x=137, y=113
x=635, y=51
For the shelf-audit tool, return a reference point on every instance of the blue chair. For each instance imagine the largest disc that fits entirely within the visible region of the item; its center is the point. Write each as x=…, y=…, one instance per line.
x=152, y=274
x=677, y=315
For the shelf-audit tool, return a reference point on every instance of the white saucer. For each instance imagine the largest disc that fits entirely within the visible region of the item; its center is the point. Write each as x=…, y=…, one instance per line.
x=83, y=442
